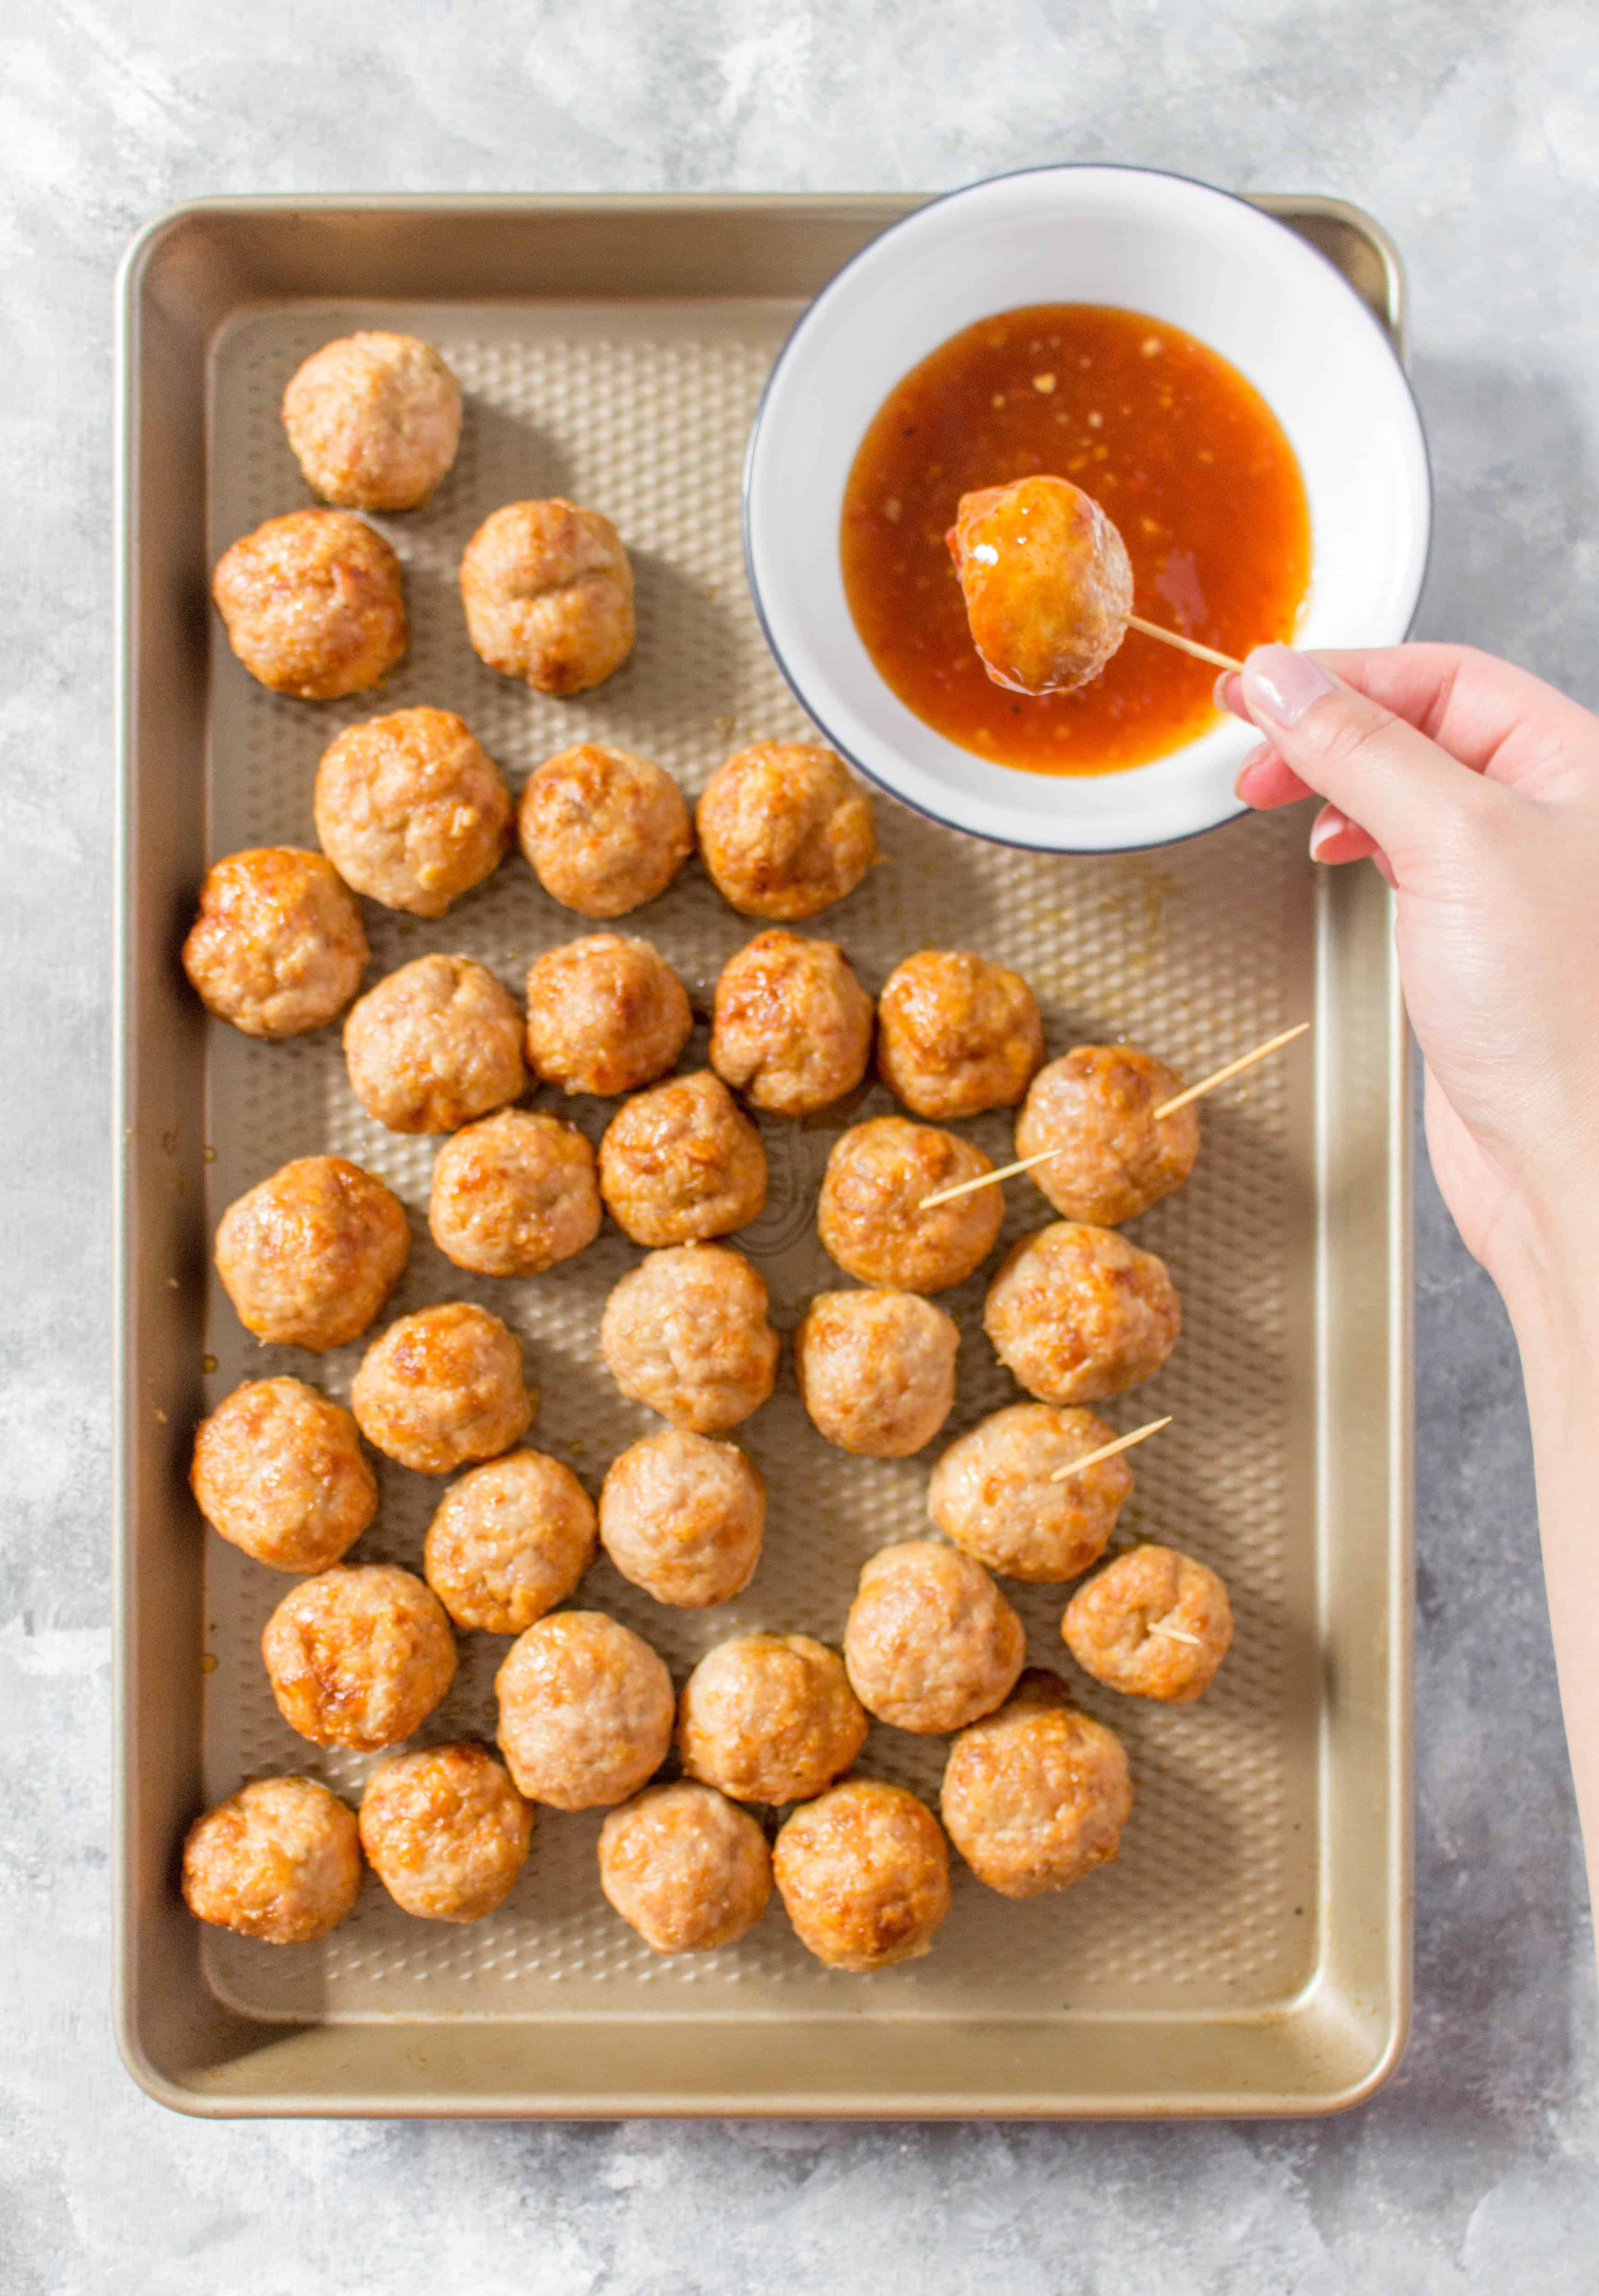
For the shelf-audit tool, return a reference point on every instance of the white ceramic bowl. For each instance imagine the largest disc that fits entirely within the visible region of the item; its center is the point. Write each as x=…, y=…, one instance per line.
x=1199, y=258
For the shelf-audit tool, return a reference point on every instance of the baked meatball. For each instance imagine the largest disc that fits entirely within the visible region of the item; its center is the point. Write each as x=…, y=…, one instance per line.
x=445, y=1831
x=585, y=1710
x=792, y=1026
x=279, y=1860
x=994, y=1492
x=1035, y=1795
x=513, y=1194
x=770, y=1717
x=411, y=810
x=681, y=1163
x=930, y=1641
x=876, y=1370
x=605, y=1015
x=434, y=1045
x=1153, y=1623
x=1047, y=582
x=278, y=946
x=682, y=1517
x=509, y=1541
x=278, y=1471
x=869, y=1216
x=1096, y=1108
x=313, y=604
x=686, y=1333
x=603, y=831
x=549, y=593
x=957, y=1034
x=864, y=1875
x=308, y=1256
x=1078, y=1313
x=687, y=1868
x=359, y=1656
x=441, y=1387
x=374, y=420
x=785, y=830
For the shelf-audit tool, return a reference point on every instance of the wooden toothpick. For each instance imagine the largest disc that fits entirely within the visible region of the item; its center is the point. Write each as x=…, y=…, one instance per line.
x=1109, y=1450
x=1183, y=645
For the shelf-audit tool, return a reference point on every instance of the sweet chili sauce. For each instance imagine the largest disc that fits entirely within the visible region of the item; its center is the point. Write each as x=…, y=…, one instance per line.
x=1182, y=452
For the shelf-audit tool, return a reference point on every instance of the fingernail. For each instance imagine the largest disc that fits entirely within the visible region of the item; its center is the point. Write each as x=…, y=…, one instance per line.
x=1226, y=695
x=1329, y=823
x=1280, y=684
x=1256, y=757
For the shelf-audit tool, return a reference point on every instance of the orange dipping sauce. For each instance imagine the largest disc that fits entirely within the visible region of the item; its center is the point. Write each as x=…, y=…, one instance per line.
x=1182, y=454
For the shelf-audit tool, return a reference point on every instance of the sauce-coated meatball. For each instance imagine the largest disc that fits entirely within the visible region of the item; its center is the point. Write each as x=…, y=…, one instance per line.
x=441, y=1387
x=509, y=1541
x=359, y=1656
x=1153, y=1623
x=278, y=946
x=603, y=831
x=278, y=1471
x=445, y=1831
x=313, y=604
x=585, y=1710
x=685, y=1867
x=864, y=1875
x=1096, y=1108
x=681, y=1163
x=792, y=1026
x=930, y=1641
x=994, y=1492
x=770, y=1717
x=1047, y=582
x=549, y=593
x=682, y=1517
x=1036, y=1795
x=434, y=1045
x=686, y=1333
x=876, y=1370
x=513, y=1194
x=308, y=1256
x=957, y=1034
x=870, y=1215
x=605, y=1015
x=374, y=420
x=412, y=810
x=785, y=830
x=279, y=1860
x=1078, y=1313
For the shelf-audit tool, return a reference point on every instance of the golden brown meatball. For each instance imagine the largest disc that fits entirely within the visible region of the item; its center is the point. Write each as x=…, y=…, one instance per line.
x=686, y=1333
x=930, y=1641
x=278, y=1471
x=785, y=830
x=685, y=1867
x=1095, y=1107
x=308, y=1256
x=1153, y=1623
x=278, y=946
x=445, y=1831
x=603, y=831
x=434, y=1045
x=279, y=1860
x=411, y=810
x=870, y=1215
x=679, y=1163
x=1047, y=581
x=509, y=1541
x=864, y=1875
x=513, y=1194
x=957, y=1034
x=359, y=1656
x=605, y=1015
x=876, y=1370
x=441, y=1387
x=792, y=1025
x=994, y=1492
x=1036, y=1795
x=374, y=420
x=1078, y=1313
x=682, y=1517
x=770, y=1717
x=549, y=593
x=585, y=1710
x=313, y=604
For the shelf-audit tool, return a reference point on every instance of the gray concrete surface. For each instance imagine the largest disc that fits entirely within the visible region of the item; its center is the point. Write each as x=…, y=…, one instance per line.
x=1469, y=128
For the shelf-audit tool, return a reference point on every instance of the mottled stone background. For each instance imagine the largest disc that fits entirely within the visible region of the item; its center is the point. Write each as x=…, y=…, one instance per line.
x=1470, y=128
